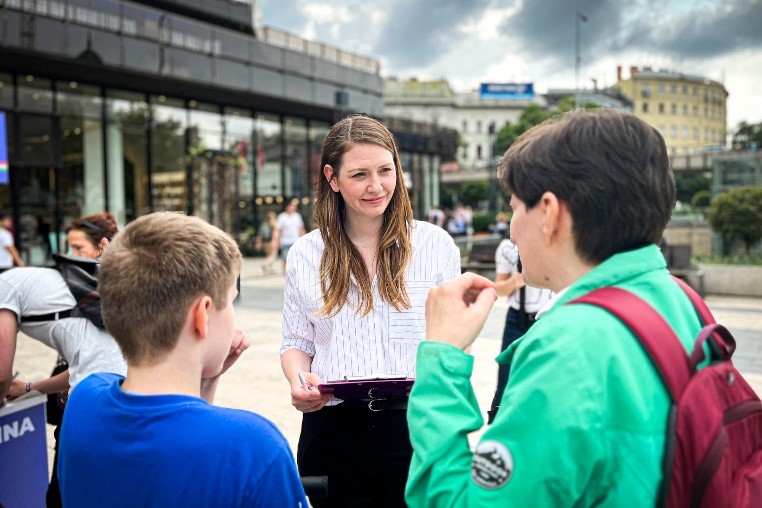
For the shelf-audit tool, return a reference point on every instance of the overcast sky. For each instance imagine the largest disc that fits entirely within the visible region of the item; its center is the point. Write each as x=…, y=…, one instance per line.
x=473, y=41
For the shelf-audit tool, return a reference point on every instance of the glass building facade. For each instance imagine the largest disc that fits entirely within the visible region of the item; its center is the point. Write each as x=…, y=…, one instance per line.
x=131, y=108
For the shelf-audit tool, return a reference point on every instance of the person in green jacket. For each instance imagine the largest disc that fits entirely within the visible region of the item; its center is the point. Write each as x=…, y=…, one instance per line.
x=583, y=419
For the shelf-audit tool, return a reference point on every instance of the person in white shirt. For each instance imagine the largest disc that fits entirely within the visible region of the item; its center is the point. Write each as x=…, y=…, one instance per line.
x=9, y=255
x=354, y=305
x=524, y=304
x=289, y=226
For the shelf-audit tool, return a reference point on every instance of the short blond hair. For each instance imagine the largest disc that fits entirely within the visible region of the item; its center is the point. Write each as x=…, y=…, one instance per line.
x=151, y=274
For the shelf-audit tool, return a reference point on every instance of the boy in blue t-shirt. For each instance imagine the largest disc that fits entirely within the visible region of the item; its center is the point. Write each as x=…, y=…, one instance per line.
x=153, y=438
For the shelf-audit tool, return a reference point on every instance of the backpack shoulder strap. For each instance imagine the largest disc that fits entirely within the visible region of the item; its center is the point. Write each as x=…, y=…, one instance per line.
x=652, y=331
x=698, y=303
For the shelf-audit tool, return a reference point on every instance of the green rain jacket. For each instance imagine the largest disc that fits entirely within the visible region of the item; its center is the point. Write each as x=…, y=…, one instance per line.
x=582, y=421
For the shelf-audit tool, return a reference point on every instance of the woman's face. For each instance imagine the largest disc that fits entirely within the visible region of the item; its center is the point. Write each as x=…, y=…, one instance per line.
x=80, y=245
x=526, y=235
x=367, y=180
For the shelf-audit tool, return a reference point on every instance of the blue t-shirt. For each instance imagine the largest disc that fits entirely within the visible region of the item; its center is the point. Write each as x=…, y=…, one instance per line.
x=122, y=449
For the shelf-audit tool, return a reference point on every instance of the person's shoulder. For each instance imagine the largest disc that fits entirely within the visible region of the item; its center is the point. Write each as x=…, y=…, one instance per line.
x=93, y=385
x=422, y=230
x=309, y=241
x=32, y=275
x=258, y=430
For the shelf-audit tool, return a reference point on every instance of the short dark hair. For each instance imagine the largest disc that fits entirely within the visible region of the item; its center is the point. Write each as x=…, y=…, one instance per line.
x=608, y=166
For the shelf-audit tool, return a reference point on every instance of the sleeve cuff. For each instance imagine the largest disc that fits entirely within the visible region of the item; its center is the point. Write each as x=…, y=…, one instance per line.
x=449, y=357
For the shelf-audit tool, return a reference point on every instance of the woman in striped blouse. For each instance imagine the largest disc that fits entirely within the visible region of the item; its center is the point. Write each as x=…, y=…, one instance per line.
x=355, y=306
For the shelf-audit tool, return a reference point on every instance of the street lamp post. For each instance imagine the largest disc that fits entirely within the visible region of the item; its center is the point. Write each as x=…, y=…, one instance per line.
x=491, y=168
x=578, y=20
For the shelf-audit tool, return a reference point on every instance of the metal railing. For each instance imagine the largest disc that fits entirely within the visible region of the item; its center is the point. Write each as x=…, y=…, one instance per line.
x=287, y=40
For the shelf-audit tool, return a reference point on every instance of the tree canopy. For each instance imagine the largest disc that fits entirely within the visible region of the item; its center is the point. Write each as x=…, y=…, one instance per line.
x=532, y=115
x=737, y=214
x=748, y=137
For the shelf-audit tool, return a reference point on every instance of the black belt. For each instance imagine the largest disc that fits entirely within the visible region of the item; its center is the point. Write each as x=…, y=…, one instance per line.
x=375, y=405
x=53, y=316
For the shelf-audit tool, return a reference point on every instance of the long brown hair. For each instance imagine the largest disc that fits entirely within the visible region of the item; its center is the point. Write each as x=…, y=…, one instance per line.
x=394, y=249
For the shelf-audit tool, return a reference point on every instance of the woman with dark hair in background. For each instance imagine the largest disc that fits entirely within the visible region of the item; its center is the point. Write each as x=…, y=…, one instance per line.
x=89, y=236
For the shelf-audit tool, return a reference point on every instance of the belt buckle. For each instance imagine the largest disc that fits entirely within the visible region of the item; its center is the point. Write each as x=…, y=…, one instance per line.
x=370, y=405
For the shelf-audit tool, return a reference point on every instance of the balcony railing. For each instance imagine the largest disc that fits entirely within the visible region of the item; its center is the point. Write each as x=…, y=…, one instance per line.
x=287, y=40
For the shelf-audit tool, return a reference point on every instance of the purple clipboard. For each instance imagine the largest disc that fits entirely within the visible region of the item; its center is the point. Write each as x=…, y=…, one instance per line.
x=370, y=388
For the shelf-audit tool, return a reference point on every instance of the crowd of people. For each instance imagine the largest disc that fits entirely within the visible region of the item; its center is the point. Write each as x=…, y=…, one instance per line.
x=579, y=414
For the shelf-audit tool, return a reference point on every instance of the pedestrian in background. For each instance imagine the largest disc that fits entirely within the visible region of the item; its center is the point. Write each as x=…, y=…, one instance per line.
x=354, y=306
x=524, y=302
x=266, y=242
x=583, y=419
x=9, y=255
x=289, y=226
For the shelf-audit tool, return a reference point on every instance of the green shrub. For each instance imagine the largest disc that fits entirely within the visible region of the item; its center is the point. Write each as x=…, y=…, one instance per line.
x=738, y=259
x=701, y=199
x=482, y=221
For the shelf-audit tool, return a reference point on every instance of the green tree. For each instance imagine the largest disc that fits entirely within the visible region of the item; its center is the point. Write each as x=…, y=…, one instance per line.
x=737, y=214
x=467, y=193
x=688, y=184
x=748, y=137
x=532, y=115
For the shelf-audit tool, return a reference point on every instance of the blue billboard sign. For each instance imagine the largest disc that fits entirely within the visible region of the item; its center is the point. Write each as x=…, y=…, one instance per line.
x=507, y=91
x=3, y=151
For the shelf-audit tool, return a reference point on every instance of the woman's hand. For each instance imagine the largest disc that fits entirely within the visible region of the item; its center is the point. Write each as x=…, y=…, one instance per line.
x=17, y=389
x=308, y=400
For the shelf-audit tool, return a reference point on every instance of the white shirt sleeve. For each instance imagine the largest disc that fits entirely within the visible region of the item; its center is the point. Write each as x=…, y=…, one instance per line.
x=506, y=258
x=298, y=331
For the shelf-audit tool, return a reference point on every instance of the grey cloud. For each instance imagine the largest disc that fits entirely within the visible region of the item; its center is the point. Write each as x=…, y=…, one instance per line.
x=545, y=29
x=710, y=32
x=417, y=33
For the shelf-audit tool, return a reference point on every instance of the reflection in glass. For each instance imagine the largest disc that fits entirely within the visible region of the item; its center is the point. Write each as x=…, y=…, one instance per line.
x=317, y=134
x=36, y=205
x=214, y=176
x=6, y=91
x=35, y=94
x=297, y=178
x=36, y=142
x=268, y=154
x=169, y=120
x=127, y=140
x=81, y=178
x=238, y=129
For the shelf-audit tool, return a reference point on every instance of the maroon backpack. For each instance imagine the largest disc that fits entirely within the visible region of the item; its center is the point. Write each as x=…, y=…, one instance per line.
x=713, y=451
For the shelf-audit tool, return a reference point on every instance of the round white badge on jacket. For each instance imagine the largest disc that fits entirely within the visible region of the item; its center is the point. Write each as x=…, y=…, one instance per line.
x=492, y=465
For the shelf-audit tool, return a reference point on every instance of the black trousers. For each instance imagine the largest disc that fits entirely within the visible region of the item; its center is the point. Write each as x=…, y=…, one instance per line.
x=365, y=455
x=517, y=323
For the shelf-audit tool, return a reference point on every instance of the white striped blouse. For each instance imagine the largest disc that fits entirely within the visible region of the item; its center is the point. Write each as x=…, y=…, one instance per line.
x=384, y=341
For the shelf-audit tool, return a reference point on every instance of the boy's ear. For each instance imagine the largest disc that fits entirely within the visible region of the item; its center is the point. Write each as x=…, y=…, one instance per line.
x=199, y=315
